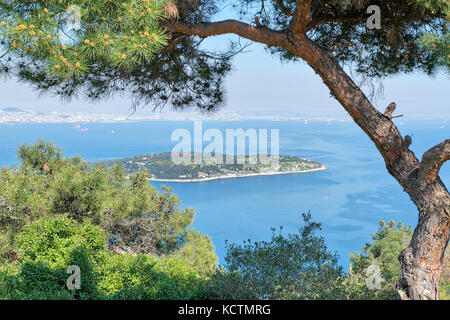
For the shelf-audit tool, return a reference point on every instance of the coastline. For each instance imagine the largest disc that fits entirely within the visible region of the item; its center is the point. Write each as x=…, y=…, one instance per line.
x=236, y=176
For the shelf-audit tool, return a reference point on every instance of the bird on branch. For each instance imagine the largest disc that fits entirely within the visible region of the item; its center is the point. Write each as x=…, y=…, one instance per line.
x=390, y=110
x=408, y=141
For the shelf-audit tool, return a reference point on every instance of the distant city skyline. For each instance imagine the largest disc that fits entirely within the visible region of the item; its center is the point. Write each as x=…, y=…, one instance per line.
x=260, y=83
x=15, y=115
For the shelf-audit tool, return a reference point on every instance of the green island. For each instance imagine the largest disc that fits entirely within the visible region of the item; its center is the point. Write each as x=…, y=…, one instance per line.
x=160, y=166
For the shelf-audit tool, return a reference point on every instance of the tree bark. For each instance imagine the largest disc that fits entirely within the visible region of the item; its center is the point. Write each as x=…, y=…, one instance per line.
x=421, y=262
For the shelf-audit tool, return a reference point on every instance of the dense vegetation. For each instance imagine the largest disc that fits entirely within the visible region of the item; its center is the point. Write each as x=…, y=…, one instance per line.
x=161, y=166
x=131, y=242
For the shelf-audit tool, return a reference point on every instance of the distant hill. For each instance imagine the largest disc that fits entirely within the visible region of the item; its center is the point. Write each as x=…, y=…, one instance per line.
x=12, y=110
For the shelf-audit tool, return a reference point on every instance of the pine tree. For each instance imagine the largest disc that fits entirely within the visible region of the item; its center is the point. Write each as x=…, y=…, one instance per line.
x=65, y=38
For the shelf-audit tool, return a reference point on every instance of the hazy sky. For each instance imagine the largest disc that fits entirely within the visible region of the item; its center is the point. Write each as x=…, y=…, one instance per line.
x=259, y=82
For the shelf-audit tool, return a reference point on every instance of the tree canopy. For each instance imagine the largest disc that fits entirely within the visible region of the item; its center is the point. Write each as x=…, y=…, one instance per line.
x=153, y=51
x=113, y=34
x=121, y=46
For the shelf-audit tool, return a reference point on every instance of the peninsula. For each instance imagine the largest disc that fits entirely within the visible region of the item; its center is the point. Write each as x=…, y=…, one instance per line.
x=160, y=167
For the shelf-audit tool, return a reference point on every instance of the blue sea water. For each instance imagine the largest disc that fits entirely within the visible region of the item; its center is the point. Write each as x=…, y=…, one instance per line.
x=349, y=199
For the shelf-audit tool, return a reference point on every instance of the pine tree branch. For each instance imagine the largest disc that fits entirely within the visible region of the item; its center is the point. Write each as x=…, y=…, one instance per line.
x=433, y=160
x=302, y=17
x=259, y=34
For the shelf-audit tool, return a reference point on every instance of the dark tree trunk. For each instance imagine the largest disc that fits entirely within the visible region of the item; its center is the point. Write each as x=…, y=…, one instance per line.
x=422, y=261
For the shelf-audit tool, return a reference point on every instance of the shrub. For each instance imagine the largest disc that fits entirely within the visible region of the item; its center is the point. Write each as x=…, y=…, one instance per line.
x=42, y=156
x=49, y=245
x=129, y=240
x=198, y=252
x=296, y=266
x=149, y=278
x=46, y=248
x=136, y=217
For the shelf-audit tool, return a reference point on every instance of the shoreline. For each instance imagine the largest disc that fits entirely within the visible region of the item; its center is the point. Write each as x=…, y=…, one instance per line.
x=236, y=176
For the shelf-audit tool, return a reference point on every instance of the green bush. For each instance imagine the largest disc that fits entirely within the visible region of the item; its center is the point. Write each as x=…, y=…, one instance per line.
x=198, y=252
x=47, y=247
x=296, y=266
x=129, y=240
x=135, y=216
x=42, y=156
x=148, y=277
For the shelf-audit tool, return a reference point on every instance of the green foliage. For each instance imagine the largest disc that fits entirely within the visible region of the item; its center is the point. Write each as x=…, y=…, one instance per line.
x=135, y=215
x=41, y=156
x=440, y=46
x=296, y=266
x=114, y=51
x=433, y=5
x=49, y=245
x=383, y=251
x=437, y=42
x=388, y=242
x=198, y=252
x=146, y=277
x=395, y=48
x=46, y=238
x=124, y=47
x=46, y=248
x=132, y=242
x=112, y=33
x=79, y=192
x=129, y=240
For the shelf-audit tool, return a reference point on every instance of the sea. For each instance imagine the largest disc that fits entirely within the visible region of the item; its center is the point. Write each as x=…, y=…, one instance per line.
x=349, y=199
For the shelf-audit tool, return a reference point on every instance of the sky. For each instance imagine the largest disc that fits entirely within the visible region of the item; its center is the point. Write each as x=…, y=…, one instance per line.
x=260, y=83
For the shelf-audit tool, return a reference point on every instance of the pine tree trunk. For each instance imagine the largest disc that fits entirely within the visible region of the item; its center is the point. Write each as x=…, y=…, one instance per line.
x=422, y=261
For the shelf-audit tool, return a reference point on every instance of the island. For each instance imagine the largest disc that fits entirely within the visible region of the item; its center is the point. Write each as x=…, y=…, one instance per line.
x=160, y=167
